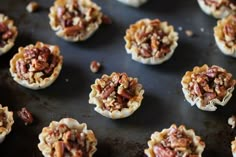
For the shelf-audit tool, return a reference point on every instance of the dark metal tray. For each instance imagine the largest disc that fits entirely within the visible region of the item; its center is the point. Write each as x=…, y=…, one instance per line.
x=163, y=102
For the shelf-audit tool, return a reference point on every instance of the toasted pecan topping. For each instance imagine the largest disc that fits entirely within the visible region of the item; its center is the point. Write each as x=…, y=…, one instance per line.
x=116, y=90
x=219, y=3
x=67, y=142
x=150, y=38
x=175, y=144
x=212, y=83
x=5, y=34
x=38, y=61
x=75, y=17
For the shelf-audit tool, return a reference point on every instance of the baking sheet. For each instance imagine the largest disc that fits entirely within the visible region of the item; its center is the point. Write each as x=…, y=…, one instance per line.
x=163, y=102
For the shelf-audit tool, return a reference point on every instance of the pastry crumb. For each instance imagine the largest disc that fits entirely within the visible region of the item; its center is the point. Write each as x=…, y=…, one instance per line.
x=32, y=7
x=202, y=29
x=189, y=33
x=180, y=28
x=232, y=121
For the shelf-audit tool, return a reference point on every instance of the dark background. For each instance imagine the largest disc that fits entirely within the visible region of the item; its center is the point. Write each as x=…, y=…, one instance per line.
x=163, y=102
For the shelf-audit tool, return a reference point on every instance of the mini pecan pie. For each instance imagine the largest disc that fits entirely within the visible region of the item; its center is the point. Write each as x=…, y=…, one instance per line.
x=151, y=41
x=67, y=138
x=116, y=96
x=8, y=34
x=75, y=20
x=218, y=8
x=133, y=3
x=175, y=142
x=233, y=147
x=36, y=66
x=225, y=35
x=208, y=86
x=6, y=122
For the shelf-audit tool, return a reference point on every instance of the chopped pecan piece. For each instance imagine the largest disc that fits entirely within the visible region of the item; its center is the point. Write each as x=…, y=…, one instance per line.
x=106, y=20
x=160, y=151
x=95, y=66
x=32, y=7
x=26, y=116
x=115, y=91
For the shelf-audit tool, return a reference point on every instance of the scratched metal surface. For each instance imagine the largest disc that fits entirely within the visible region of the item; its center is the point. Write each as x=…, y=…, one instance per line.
x=163, y=102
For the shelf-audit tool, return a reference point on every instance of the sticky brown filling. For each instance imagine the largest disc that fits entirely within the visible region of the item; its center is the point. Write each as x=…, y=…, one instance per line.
x=36, y=60
x=5, y=34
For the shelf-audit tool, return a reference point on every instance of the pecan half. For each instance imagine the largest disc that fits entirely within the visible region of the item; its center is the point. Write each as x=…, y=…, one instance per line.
x=26, y=116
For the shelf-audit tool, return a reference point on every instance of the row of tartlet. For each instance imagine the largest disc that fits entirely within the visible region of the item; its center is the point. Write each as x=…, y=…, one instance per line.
x=114, y=96
x=68, y=137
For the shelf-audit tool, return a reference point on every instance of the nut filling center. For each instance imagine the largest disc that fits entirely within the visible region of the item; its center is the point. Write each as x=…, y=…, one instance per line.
x=74, y=18
x=36, y=64
x=210, y=84
x=67, y=142
x=116, y=91
x=219, y=3
x=5, y=34
x=175, y=144
x=151, y=40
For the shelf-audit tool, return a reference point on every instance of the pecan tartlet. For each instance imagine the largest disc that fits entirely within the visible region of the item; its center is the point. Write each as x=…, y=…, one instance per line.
x=8, y=34
x=133, y=3
x=67, y=138
x=225, y=35
x=218, y=8
x=116, y=96
x=75, y=20
x=6, y=122
x=175, y=142
x=151, y=41
x=208, y=86
x=233, y=147
x=36, y=66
